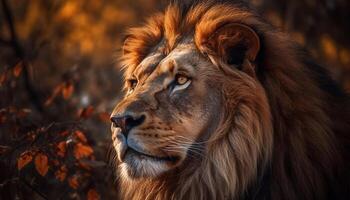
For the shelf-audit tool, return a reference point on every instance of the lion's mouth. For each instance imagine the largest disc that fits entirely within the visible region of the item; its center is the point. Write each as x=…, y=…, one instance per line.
x=142, y=155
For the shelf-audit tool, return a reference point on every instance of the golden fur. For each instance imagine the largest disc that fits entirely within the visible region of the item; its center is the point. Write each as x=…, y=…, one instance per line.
x=284, y=125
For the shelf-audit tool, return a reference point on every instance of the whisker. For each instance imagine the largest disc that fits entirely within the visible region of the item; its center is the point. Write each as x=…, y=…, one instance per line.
x=187, y=145
x=189, y=150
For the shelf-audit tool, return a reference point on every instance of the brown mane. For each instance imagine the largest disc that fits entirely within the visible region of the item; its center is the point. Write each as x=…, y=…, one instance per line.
x=302, y=132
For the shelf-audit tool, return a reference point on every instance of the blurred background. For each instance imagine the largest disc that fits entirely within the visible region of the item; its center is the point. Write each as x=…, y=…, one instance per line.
x=59, y=80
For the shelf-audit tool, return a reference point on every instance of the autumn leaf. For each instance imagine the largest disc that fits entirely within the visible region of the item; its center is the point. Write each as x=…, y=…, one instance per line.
x=329, y=47
x=61, y=173
x=73, y=182
x=86, y=112
x=80, y=135
x=83, y=165
x=92, y=195
x=54, y=94
x=64, y=133
x=24, y=159
x=67, y=90
x=61, y=149
x=81, y=151
x=17, y=69
x=41, y=164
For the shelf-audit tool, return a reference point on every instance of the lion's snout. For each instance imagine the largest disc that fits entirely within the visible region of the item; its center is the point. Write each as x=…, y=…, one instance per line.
x=126, y=121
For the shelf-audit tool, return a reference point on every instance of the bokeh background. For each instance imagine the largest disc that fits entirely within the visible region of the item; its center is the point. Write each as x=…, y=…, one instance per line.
x=59, y=80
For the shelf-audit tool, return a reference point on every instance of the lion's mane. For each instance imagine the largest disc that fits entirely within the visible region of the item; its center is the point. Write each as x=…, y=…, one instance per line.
x=291, y=143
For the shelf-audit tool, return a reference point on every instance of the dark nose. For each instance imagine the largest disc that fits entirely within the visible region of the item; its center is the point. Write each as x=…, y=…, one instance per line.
x=127, y=121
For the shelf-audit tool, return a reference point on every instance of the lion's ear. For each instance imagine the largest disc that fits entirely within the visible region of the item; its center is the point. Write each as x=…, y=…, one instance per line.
x=125, y=40
x=234, y=44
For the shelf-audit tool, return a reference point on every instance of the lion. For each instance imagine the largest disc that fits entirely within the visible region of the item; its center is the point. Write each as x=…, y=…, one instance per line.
x=219, y=104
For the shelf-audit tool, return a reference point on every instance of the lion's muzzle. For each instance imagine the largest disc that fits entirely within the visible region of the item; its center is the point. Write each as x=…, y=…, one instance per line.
x=127, y=121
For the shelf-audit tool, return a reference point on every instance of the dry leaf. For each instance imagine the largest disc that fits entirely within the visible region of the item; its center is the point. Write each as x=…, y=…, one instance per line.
x=329, y=47
x=86, y=112
x=24, y=159
x=83, y=165
x=54, y=94
x=80, y=135
x=67, y=90
x=81, y=151
x=73, y=182
x=41, y=164
x=92, y=195
x=17, y=69
x=64, y=133
x=61, y=173
x=61, y=149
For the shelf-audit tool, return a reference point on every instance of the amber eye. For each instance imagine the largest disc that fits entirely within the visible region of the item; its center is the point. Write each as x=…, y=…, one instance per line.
x=181, y=79
x=181, y=82
x=132, y=83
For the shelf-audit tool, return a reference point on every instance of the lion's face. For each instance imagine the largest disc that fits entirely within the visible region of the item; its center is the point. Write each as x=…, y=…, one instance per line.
x=193, y=102
x=169, y=109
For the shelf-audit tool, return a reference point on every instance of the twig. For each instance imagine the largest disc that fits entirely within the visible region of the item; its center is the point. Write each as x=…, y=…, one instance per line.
x=33, y=96
x=5, y=182
x=34, y=189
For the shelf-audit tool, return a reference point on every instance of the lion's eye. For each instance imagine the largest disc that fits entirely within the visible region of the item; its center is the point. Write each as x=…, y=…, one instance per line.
x=132, y=83
x=181, y=79
x=181, y=82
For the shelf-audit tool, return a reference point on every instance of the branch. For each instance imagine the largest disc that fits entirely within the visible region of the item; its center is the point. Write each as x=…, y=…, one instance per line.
x=33, y=189
x=33, y=96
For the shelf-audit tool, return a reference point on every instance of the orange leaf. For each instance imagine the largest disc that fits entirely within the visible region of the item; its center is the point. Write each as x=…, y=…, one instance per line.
x=64, y=133
x=41, y=164
x=81, y=136
x=24, y=159
x=61, y=149
x=61, y=173
x=83, y=165
x=17, y=69
x=67, y=91
x=86, y=112
x=54, y=94
x=81, y=151
x=73, y=182
x=93, y=195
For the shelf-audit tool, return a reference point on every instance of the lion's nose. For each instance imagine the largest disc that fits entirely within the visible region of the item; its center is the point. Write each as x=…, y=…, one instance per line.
x=127, y=121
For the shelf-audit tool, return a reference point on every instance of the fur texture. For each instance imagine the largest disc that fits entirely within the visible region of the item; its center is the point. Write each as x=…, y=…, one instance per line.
x=283, y=128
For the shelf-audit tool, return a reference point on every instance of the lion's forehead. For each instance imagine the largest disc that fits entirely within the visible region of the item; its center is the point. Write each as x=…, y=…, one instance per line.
x=157, y=64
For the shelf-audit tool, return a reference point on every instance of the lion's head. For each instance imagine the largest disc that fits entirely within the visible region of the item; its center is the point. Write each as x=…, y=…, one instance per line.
x=196, y=120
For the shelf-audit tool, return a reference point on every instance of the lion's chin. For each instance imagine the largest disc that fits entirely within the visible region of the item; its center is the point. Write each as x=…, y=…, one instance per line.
x=137, y=165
